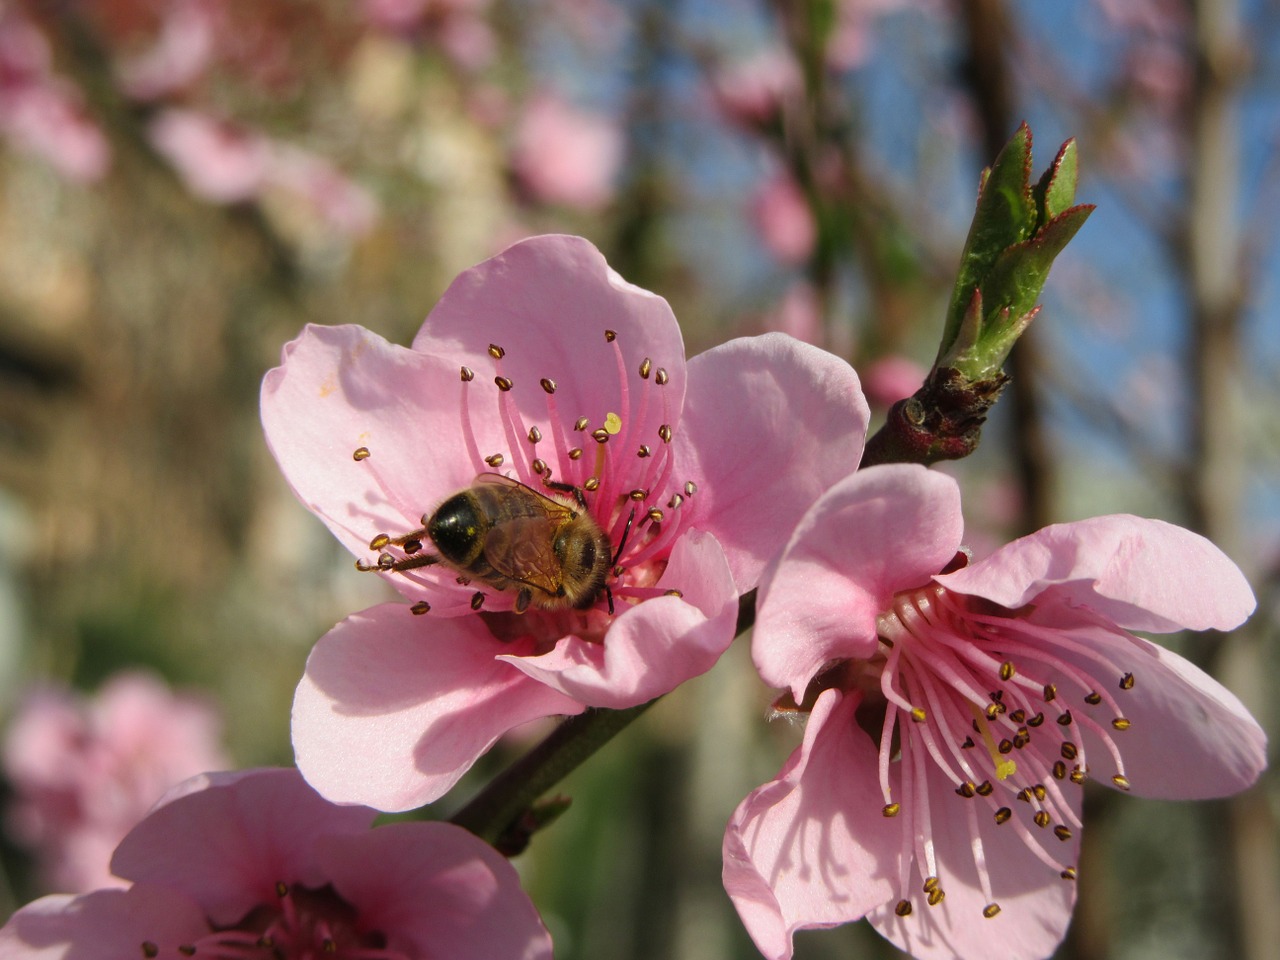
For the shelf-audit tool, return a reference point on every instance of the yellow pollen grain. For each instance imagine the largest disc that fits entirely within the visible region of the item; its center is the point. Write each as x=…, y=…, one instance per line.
x=613, y=423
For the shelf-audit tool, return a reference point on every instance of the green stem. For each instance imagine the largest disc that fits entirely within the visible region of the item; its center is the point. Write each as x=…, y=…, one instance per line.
x=514, y=790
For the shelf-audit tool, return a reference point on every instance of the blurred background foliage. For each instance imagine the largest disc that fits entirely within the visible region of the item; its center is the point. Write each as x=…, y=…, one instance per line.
x=185, y=183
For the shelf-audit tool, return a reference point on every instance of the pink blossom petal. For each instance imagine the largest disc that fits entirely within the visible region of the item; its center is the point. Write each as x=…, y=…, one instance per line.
x=437, y=891
x=1035, y=901
x=219, y=161
x=1140, y=574
x=566, y=155
x=340, y=388
x=394, y=708
x=808, y=405
x=879, y=531
x=104, y=925
x=1190, y=737
x=547, y=302
x=803, y=850
x=655, y=646
x=265, y=822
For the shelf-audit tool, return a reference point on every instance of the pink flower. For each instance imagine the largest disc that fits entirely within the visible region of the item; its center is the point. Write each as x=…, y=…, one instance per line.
x=565, y=155
x=233, y=863
x=953, y=715
x=338, y=202
x=84, y=773
x=219, y=161
x=180, y=54
x=754, y=92
x=893, y=378
x=783, y=217
x=42, y=113
x=544, y=365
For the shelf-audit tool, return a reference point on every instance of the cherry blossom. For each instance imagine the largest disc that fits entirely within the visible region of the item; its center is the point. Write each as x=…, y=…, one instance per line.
x=566, y=155
x=955, y=709
x=544, y=366
x=256, y=865
x=83, y=772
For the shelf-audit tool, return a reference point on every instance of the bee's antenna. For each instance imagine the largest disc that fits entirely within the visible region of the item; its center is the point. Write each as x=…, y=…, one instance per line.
x=609, y=593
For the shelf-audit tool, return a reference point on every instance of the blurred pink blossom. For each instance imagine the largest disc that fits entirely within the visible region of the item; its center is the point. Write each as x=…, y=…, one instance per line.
x=782, y=215
x=955, y=707
x=85, y=771
x=341, y=203
x=798, y=314
x=541, y=362
x=851, y=41
x=890, y=379
x=753, y=92
x=459, y=28
x=41, y=113
x=219, y=161
x=564, y=155
x=1157, y=18
x=256, y=864
x=223, y=162
x=179, y=55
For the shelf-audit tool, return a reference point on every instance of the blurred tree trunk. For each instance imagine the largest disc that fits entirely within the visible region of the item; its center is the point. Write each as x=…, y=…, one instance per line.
x=1212, y=482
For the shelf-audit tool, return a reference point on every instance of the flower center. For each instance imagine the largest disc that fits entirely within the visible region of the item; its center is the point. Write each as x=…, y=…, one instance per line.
x=998, y=706
x=599, y=508
x=302, y=924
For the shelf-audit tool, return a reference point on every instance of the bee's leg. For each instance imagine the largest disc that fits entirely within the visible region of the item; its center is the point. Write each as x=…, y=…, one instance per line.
x=609, y=593
x=387, y=562
x=626, y=532
x=576, y=492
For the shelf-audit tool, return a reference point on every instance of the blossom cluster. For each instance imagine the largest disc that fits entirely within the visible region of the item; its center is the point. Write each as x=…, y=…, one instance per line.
x=572, y=513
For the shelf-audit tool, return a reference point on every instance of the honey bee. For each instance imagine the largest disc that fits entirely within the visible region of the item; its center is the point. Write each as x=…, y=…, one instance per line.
x=506, y=534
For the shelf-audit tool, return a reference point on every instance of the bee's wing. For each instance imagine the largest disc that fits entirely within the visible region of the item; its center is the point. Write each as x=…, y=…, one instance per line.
x=521, y=550
x=552, y=508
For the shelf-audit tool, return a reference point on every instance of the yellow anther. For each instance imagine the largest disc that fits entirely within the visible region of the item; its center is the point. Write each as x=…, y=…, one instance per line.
x=891, y=809
x=1062, y=833
x=930, y=884
x=380, y=541
x=419, y=608
x=1007, y=671
x=362, y=453
x=1121, y=723
x=1003, y=814
x=918, y=714
x=903, y=909
x=1126, y=682
x=990, y=910
x=1121, y=781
